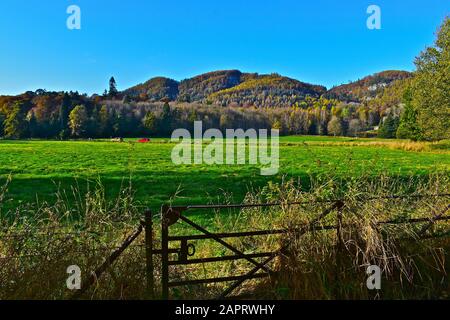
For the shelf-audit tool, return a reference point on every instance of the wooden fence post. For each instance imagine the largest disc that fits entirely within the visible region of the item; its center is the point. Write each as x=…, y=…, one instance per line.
x=149, y=254
x=339, y=247
x=164, y=253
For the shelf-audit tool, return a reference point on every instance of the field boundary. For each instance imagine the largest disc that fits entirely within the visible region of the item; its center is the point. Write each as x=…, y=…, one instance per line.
x=170, y=215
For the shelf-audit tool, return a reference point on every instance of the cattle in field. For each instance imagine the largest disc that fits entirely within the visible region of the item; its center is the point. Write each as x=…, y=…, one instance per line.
x=117, y=140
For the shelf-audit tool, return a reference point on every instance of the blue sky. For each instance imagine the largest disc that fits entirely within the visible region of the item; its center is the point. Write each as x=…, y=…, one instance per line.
x=321, y=41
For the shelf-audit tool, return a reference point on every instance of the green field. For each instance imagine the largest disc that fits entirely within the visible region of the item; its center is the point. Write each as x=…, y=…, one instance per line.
x=39, y=168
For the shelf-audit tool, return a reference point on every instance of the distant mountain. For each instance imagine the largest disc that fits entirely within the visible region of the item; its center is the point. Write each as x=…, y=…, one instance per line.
x=154, y=89
x=368, y=87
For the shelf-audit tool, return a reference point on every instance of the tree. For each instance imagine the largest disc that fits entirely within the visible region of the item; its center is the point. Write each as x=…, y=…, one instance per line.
x=276, y=125
x=104, y=123
x=78, y=121
x=335, y=126
x=388, y=128
x=15, y=122
x=92, y=129
x=122, y=123
x=2, y=125
x=126, y=99
x=431, y=98
x=33, y=128
x=165, y=121
x=408, y=127
x=354, y=127
x=64, y=110
x=64, y=116
x=150, y=123
x=112, y=87
x=224, y=122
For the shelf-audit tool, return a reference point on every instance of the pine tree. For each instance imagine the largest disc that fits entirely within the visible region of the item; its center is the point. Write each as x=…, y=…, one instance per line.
x=112, y=87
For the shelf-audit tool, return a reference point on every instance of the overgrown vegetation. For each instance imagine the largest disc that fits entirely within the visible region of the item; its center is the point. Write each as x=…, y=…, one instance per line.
x=42, y=240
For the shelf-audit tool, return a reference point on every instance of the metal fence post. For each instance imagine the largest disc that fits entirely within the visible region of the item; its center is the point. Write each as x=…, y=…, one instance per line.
x=149, y=253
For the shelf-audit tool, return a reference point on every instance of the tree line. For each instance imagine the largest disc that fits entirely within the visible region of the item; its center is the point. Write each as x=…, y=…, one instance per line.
x=70, y=115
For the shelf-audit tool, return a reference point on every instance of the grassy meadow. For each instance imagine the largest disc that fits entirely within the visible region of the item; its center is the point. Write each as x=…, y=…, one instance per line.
x=40, y=168
x=102, y=187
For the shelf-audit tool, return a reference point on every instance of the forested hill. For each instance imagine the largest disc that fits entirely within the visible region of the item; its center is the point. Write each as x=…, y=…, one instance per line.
x=227, y=87
x=266, y=90
x=368, y=87
x=154, y=89
x=233, y=87
x=201, y=86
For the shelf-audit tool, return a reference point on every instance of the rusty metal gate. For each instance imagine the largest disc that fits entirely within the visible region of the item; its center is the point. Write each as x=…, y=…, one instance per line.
x=170, y=215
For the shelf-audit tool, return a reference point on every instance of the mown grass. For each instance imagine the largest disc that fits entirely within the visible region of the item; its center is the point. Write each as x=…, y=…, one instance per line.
x=40, y=168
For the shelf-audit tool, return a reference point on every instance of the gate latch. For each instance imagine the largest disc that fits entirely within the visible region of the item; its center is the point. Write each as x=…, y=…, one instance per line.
x=186, y=250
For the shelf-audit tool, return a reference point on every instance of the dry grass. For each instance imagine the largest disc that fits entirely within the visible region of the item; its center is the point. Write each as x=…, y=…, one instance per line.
x=38, y=242
x=405, y=145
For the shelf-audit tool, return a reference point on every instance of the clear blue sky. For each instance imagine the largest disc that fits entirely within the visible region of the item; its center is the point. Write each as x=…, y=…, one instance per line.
x=320, y=41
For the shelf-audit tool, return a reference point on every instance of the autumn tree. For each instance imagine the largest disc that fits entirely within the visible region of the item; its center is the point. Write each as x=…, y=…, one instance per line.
x=354, y=127
x=335, y=126
x=78, y=121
